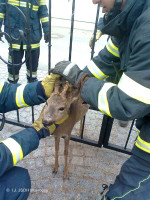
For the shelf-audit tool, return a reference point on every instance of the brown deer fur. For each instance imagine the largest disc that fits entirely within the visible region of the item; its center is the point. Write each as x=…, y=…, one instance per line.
x=61, y=103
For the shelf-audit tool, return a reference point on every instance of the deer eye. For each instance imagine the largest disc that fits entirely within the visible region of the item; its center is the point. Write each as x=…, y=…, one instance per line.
x=61, y=109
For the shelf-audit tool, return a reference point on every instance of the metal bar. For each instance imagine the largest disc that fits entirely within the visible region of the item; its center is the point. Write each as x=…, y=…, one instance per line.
x=108, y=130
x=29, y=39
x=74, y=138
x=95, y=29
x=83, y=123
x=14, y=122
x=3, y=121
x=32, y=108
x=86, y=22
x=129, y=134
x=118, y=148
x=103, y=130
x=71, y=31
x=84, y=141
x=50, y=42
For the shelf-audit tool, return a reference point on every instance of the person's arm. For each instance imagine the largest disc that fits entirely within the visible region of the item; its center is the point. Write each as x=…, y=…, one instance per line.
x=44, y=17
x=16, y=147
x=130, y=98
x=102, y=65
x=15, y=96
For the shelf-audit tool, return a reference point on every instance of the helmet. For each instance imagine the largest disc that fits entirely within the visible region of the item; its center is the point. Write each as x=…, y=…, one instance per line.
x=113, y=12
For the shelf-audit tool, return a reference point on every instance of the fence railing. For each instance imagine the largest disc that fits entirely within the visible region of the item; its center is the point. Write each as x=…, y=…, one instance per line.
x=106, y=127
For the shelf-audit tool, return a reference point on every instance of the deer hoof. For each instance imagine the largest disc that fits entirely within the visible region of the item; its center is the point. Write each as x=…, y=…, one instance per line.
x=66, y=176
x=55, y=171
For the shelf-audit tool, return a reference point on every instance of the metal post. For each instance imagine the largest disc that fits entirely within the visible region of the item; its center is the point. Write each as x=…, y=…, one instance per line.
x=50, y=41
x=71, y=31
x=95, y=29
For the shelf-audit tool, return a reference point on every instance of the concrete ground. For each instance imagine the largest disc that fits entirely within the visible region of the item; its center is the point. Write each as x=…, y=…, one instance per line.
x=89, y=167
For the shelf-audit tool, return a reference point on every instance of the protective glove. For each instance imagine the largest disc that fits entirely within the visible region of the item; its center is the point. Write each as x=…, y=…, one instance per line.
x=98, y=35
x=70, y=71
x=41, y=130
x=39, y=127
x=48, y=83
x=46, y=37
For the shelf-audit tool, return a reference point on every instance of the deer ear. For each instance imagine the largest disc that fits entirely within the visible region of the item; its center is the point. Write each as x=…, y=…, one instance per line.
x=57, y=85
x=73, y=95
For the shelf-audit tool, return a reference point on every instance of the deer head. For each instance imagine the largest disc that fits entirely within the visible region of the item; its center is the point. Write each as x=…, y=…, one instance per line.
x=59, y=103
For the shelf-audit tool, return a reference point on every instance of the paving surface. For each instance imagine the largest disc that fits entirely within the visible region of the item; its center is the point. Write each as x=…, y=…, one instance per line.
x=89, y=167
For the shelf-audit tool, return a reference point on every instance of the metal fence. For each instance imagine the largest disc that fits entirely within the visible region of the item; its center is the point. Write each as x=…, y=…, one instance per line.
x=106, y=127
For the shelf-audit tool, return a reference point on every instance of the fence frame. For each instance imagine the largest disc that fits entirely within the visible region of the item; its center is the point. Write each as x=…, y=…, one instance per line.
x=107, y=122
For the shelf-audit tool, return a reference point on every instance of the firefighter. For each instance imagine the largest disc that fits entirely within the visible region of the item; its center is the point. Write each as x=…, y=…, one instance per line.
x=15, y=181
x=38, y=15
x=128, y=23
x=112, y=79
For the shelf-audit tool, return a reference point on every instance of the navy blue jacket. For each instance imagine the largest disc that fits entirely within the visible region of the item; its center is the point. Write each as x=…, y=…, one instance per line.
x=17, y=146
x=126, y=52
x=38, y=15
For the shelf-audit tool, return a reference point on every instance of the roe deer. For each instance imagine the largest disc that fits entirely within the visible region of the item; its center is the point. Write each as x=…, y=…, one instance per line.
x=62, y=103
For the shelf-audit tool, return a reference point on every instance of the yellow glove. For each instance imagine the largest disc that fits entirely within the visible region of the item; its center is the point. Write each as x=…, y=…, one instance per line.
x=48, y=83
x=39, y=127
x=98, y=35
x=41, y=130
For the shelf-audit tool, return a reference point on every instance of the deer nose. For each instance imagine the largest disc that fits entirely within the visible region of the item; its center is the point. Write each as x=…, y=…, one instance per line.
x=47, y=122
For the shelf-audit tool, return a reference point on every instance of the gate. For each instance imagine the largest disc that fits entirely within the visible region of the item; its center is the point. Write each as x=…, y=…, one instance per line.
x=109, y=131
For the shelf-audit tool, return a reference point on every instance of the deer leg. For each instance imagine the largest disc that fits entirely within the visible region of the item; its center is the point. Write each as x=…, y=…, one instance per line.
x=66, y=171
x=81, y=126
x=57, y=140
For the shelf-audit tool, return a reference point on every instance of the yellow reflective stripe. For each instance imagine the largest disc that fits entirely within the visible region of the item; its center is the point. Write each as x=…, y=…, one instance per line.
x=35, y=8
x=15, y=149
x=134, y=89
x=11, y=77
x=34, y=74
x=2, y=15
x=96, y=71
x=19, y=96
x=103, y=105
x=1, y=86
x=45, y=19
x=112, y=48
x=33, y=46
x=15, y=46
x=24, y=4
x=15, y=3
x=16, y=75
x=62, y=120
x=42, y=2
x=141, y=144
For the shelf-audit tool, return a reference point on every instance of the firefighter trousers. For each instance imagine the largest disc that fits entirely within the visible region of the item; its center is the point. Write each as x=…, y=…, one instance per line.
x=133, y=182
x=15, y=184
x=16, y=57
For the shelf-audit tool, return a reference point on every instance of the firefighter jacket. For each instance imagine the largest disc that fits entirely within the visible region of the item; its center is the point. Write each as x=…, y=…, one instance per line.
x=17, y=146
x=126, y=52
x=15, y=20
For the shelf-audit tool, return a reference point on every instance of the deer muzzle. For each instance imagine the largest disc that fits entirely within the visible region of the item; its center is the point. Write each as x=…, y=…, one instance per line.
x=47, y=122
